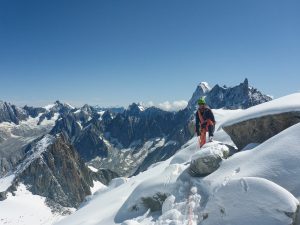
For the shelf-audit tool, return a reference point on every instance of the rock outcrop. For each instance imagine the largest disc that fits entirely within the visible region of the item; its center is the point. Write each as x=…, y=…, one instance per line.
x=58, y=174
x=205, y=165
x=241, y=96
x=207, y=161
x=11, y=113
x=260, y=129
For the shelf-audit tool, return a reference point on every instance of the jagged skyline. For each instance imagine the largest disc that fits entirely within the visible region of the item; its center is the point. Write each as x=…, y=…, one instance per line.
x=115, y=53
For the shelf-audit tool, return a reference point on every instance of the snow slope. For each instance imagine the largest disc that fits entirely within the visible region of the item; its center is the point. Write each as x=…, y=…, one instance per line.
x=277, y=159
x=252, y=187
x=26, y=208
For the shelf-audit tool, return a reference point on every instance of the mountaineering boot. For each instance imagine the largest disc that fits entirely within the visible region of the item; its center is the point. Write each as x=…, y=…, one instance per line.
x=210, y=138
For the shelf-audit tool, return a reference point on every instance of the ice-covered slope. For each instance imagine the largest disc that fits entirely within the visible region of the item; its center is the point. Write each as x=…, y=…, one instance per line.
x=276, y=159
x=252, y=187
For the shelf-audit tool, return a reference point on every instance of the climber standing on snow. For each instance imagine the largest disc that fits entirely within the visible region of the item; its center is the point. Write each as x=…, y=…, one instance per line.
x=205, y=121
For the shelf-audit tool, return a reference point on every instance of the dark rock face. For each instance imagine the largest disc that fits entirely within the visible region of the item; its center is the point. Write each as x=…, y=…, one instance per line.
x=89, y=145
x=87, y=140
x=151, y=123
x=53, y=168
x=59, y=174
x=11, y=113
x=260, y=129
x=241, y=96
x=158, y=155
x=67, y=125
x=121, y=130
x=133, y=125
x=34, y=112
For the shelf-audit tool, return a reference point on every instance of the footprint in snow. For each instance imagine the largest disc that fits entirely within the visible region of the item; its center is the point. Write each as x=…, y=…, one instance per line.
x=244, y=185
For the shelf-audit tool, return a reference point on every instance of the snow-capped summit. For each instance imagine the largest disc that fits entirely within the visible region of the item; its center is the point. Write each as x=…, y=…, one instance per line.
x=205, y=87
x=241, y=96
x=58, y=106
x=134, y=109
x=87, y=109
x=49, y=107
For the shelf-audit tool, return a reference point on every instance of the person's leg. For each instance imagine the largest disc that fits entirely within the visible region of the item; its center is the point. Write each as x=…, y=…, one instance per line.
x=202, y=137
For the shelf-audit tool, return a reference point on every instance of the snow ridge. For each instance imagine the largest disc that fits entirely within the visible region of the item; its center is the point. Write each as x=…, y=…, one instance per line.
x=36, y=152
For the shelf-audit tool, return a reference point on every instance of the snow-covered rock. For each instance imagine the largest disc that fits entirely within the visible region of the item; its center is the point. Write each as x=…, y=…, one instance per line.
x=261, y=122
x=208, y=159
x=139, y=201
x=289, y=103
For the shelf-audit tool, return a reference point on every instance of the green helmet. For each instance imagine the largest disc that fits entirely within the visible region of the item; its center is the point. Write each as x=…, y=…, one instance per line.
x=201, y=101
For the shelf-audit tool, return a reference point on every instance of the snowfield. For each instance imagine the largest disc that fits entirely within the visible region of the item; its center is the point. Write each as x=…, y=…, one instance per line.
x=26, y=208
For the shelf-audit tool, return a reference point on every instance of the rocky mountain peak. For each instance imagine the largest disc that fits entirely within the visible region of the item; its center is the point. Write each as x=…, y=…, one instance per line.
x=55, y=170
x=240, y=96
x=107, y=117
x=200, y=91
x=11, y=113
x=59, y=107
x=205, y=87
x=246, y=83
x=87, y=109
x=134, y=109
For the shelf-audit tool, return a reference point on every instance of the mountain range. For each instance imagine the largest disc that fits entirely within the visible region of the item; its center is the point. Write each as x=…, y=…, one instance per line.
x=60, y=151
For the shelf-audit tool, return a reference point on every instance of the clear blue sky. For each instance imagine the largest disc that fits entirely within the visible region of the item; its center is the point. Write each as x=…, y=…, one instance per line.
x=114, y=52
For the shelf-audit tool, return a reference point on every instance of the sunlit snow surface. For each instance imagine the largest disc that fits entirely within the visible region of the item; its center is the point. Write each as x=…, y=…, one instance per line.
x=244, y=190
x=26, y=208
x=257, y=186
